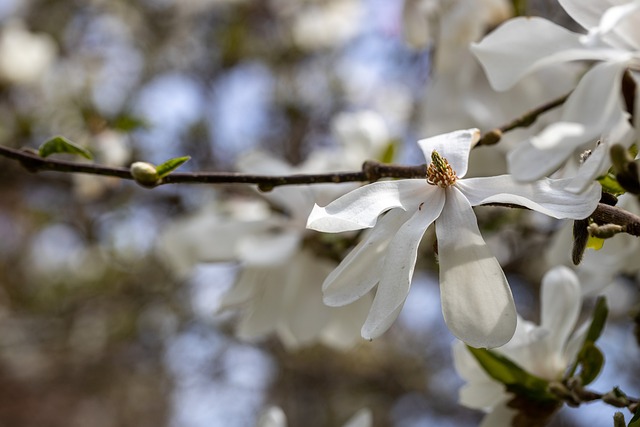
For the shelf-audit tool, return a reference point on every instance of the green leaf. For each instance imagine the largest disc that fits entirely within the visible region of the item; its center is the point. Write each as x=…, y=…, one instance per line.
x=598, y=321
x=596, y=327
x=635, y=421
x=591, y=361
x=60, y=144
x=611, y=185
x=128, y=123
x=170, y=165
x=389, y=153
x=505, y=371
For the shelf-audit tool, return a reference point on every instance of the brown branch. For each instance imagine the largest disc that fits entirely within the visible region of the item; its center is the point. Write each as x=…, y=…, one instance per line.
x=371, y=171
x=526, y=120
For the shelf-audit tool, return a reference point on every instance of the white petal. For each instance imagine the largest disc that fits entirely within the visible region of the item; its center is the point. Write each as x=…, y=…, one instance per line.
x=529, y=161
x=592, y=109
x=269, y=248
x=596, y=103
x=361, y=269
x=304, y=315
x=596, y=165
x=501, y=415
x=343, y=330
x=523, y=45
x=585, y=13
x=547, y=196
x=361, y=207
x=453, y=146
x=476, y=300
x=264, y=310
x=398, y=268
x=560, y=305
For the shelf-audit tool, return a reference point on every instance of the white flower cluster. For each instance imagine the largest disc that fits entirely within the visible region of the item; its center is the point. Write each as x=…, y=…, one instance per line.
x=283, y=280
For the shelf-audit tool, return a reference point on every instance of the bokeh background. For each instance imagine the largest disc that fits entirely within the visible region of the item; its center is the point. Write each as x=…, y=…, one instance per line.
x=97, y=330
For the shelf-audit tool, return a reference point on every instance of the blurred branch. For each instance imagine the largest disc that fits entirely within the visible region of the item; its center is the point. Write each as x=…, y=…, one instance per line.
x=574, y=395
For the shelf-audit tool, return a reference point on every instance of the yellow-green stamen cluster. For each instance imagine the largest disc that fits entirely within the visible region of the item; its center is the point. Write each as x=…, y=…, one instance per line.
x=440, y=172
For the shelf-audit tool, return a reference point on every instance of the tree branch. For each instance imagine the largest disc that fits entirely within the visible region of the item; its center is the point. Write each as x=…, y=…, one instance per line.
x=495, y=135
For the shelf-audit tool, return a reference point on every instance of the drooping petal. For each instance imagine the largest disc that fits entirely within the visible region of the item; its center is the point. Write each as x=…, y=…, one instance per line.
x=544, y=153
x=361, y=269
x=343, y=330
x=547, y=196
x=453, y=146
x=304, y=315
x=560, y=305
x=361, y=207
x=523, y=45
x=476, y=300
x=481, y=391
x=398, y=267
x=501, y=415
x=263, y=311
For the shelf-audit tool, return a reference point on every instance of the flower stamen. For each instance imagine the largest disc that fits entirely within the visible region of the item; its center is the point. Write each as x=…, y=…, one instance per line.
x=440, y=172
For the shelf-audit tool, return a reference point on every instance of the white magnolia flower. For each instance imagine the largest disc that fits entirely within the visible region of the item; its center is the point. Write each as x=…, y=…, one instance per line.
x=545, y=351
x=476, y=300
x=595, y=108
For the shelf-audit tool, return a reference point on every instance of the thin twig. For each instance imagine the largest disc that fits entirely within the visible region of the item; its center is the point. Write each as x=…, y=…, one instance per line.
x=526, y=120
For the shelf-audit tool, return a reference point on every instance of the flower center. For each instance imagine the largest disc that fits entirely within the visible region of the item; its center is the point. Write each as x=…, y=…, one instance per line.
x=440, y=172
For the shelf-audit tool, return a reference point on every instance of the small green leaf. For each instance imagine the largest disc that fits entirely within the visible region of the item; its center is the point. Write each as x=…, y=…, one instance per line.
x=60, y=144
x=610, y=184
x=507, y=372
x=170, y=165
x=128, y=123
x=591, y=361
x=389, y=153
x=635, y=421
x=600, y=314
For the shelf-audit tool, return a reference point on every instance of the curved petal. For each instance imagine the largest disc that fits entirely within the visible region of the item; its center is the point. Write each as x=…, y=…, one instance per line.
x=523, y=45
x=263, y=311
x=560, y=305
x=528, y=162
x=361, y=269
x=596, y=165
x=305, y=316
x=585, y=13
x=547, y=196
x=592, y=109
x=501, y=415
x=476, y=300
x=361, y=207
x=397, y=270
x=596, y=102
x=453, y=146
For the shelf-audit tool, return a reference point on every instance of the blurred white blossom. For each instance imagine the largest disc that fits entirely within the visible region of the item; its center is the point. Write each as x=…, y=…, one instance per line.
x=24, y=56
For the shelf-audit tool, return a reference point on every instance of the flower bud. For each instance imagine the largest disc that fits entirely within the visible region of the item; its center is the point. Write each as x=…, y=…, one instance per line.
x=145, y=174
